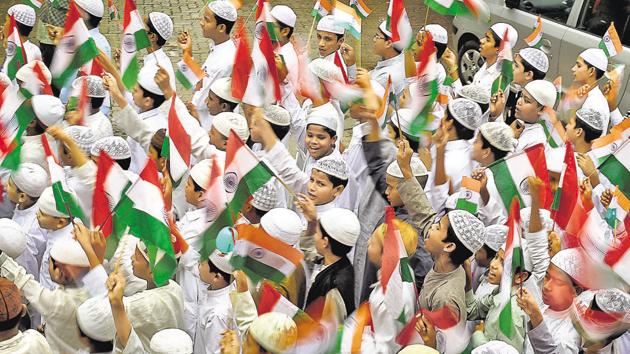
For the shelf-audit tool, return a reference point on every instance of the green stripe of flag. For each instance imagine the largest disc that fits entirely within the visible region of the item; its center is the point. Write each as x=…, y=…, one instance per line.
x=405, y=270
x=463, y=204
x=86, y=52
x=505, y=184
x=130, y=75
x=183, y=80
x=617, y=173
x=18, y=60
x=67, y=203
x=141, y=39
x=12, y=160
x=552, y=143
x=423, y=118
x=556, y=199
x=456, y=8
x=256, y=270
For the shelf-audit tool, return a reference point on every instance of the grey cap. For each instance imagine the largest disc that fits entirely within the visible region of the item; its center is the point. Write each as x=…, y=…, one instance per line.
x=474, y=93
x=468, y=229
x=590, y=117
x=277, y=115
x=325, y=70
x=332, y=166
x=265, y=197
x=162, y=23
x=614, y=302
x=499, y=135
x=95, y=87
x=466, y=112
x=495, y=236
x=116, y=147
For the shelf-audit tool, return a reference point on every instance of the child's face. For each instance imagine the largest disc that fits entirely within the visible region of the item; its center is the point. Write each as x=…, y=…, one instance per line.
x=581, y=72
x=64, y=155
x=375, y=247
x=213, y=103
x=434, y=241
x=140, y=266
x=481, y=257
x=572, y=132
x=320, y=189
x=321, y=243
x=217, y=139
x=393, y=197
x=520, y=77
x=13, y=193
x=49, y=222
x=319, y=142
x=193, y=197
x=496, y=268
x=487, y=47
x=527, y=108
x=159, y=161
x=213, y=279
x=478, y=153
x=557, y=291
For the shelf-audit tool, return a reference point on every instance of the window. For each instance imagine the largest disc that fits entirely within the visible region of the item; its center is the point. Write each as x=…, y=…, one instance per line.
x=598, y=14
x=555, y=10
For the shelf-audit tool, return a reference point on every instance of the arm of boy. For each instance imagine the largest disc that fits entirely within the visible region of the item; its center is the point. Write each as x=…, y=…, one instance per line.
x=243, y=304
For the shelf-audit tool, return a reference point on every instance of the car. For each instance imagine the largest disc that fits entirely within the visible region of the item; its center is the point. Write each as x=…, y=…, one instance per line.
x=569, y=27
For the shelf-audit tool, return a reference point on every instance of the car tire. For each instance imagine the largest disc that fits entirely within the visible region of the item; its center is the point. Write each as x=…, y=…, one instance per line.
x=470, y=61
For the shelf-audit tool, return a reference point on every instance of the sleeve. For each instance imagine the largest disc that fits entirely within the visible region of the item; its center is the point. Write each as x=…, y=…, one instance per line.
x=95, y=281
x=417, y=204
x=352, y=72
x=616, y=117
x=477, y=308
x=134, y=345
x=87, y=174
x=492, y=213
x=280, y=159
x=378, y=157
x=478, y=339
x=216, y=325
x=127, y=119
x=543, y=342
x=538, y=253
x=438, y=195
x=244, y=309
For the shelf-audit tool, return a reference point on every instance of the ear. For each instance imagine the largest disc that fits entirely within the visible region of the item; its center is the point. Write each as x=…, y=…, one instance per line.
x=579, y=132
x=225, y=107
x=337, y=190
x=448, y=122
x=22, y=197
x=61, y=222
x=200, y=195
x=222, y=28
x=521, y=277
x=529, y=76
x=449, y=247
x=248, y=207
x=341, y=40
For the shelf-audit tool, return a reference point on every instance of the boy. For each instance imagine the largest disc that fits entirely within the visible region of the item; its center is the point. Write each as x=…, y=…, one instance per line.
x=159, y=28
x=489, y=49
x=25, y=18
x=96, y=325
x=495, y=237
x=530, y=108
x=219, y=100
x=331, y=46
x=95, y=119
x=48, y=111
x=391, y=62
x=116, y=147
x=589, y=68
x=285, y=20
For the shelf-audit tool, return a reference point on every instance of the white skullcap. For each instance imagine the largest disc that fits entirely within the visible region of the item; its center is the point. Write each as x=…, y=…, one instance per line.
x=12, y=238
x=500, y=28
x=468, y=229
x=226, y=121
x=555, y=159
x=172, y=340
x=265, y=198
x=69, y=251
x=223, y=9
x=595, y=57
x=466, y=112
x=162, y=24
x=341, y=224
x=572, y=262
x=48, y=109
x=495, y=236
x=495, y=347
x=404, y=34
x=536, y=58
x=26, y=73
x=275, y=332
x=328, y=23
x=46, y=204
x=543, y=91
x=418, y=349
x=200, y=173
x=475, y=93
x=222, y=87
x=93, y=7
x=31, y=179
x=325, y=70
x=23, y=14
x=545, y=218
x=282, y=224
x=499, y=135
x=95, y=319
x=284, y=14
x=83, y=136
x=615, y=303
x=439, y=33
x=406, y=118
x=527, y=261
x=417, y=168
x=320, y=118
x=332, y=166
x=277, y=115
x=590, y=117
x=221, y=261
x=95, y=87
x=116, y=147
x=146, y=79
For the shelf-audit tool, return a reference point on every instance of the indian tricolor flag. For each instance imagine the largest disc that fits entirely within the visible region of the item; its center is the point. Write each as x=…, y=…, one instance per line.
x=618, y=258
x=475, y=8
x=264, y=18
x=113, y=11
x=610, y=43
x=511, y=173
x=188, y=72
x=617, y=209
x=425, y=91
x=15, y=50
x=244, y=174
x=605, y=146
x=557, y=82
x=179, y=147
x=513, y=263
x=65, y=199
x=24, y=115
x=361, y=8
x=134, y=38
x=35, y=4
x=142, y=210
x=243, y=64
x=623, y=128
x=263, y=85
x=350, y=336
x=505, y=61
x=617, y=168
x=554, y=130
x=76, y=48
x=323, y=8
x=381, y=113
x=566, y=195
x=272, y=301
x=262, y=256
x=468, y=197
x=341, y=64
x=535, y=38
x=398, y=23
x=397, y=281
x=349, y=19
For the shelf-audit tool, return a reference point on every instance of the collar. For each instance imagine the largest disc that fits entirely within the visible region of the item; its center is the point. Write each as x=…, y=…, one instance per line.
x=94, y=31
x=150, y=58
x=459, y=144
x=195, y=214
x=391, y=61
x=492, y=68
x=12, y=342
x=324, y=207
x=148, y=114
x=218, y=47
x=595, y=92
x=220, y=292
x=31, y=209
x=360, y=130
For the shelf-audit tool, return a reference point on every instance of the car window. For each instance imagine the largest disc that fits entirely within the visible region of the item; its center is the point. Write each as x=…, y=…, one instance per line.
x=597, y=15
x=555, y=10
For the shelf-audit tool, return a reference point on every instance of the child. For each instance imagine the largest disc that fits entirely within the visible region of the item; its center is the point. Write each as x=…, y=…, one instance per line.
x=590, y=66
x=263, y=200
x=331, y=44
x=219, y=99
x=489, y=50
x=495, y=237
x=530, y=108
x=96, y=325
x=96, y=118
x=48, y=111
x=25, y=19
x=159, y=28
x=116, y=147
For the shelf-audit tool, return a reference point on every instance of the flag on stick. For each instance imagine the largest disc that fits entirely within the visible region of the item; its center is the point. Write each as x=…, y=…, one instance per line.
x=535, y=38
x=361, y=8
x=15, y=50
x=610, y=43
x=134, y=38
x=505, y=61
x=566, y=195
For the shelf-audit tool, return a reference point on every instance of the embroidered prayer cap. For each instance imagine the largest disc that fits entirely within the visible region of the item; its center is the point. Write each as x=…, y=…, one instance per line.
x=284, y=15
x=328, y=23
x=162, y=24
x=572, y=262
x=500, y=28
x=95, y=319
x=31, y=179
x=23, y=14
x=12, y=238
x=282, y=224
x=222, y=87
x=26, y=73
x=277, y=115
x=543, y=91
x=325, y=70
x=69, y=251
x=146, y=79
x=590, y=117
x=417, y=168
x=95, y=87
x=200, y=173
x=495, y=347
x=10, y=300
x=499, y=135
x=83, y=136
x=475, y=93
x=226, y=121
x=223, y=9
x=545, y=217
x=439, y=33
x=275, y=332
x=47, y=205
x=418, y=349
x=265, y=197
x=536, y=58
x=48, y=109
x=221, y=261
x=468, y=229
x=495, y=236
x=93, y=7
x=595, y=57
x=597, y=315
x=466, y=112
x=116, y=147
x=332, y=166
x=171, y=340
x=341, y=224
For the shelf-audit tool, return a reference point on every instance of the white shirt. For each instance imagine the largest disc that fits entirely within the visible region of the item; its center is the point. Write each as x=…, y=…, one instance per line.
x=33, y=151
x=51, y=238
x=26, y=342
x=531, y=135
x=291, y=62
x=100, y=124
x=457, y=163
x=486, y=75
x=561, y=329
x=160, y=58
x=395, y=67
x=596, y=100
x=215, y=316
x=31, y=258
x=101, y=41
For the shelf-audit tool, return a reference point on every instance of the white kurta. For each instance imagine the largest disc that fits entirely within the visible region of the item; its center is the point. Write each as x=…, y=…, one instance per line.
x=486, y=75
x=215, y=317
x=394, y=67
x=52, y=237
x=532, y=134
x=159, y=58
x=559, y=326
x=457, y=163
x=291, y=62
x=26, y=342
x=100, y=125
x=31, y=258
x=33, y=151
x=596, y=100
x=155, y=121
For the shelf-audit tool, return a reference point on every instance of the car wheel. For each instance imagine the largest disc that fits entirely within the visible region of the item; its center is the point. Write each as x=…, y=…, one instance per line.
x=469, y=61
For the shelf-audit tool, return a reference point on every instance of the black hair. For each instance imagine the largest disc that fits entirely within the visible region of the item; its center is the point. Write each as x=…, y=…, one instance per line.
x=160, y=40
x=215, y=269
x=461, y=131
x=196, y=186
x=10, y=323
x=414, y=142
x=97, y=102
x=497, y=39
x=441, y=48
x=222, y=21
x=485, y=144
x=157, y=99
x=93, y=21
x=337, y=248
x=537, y=74
x=283, y=26
x=336, y=181
x=598, y=73
x=23, y=29
x=230, y=104
x=461, y=253
x=590, y=133
x=97, y=345
x=157, y=140
x=39, y=127
x=259, y=213
x=489, y=251
x=330, y=132
x=339, y=36
x=281, y=130
x=124, y=163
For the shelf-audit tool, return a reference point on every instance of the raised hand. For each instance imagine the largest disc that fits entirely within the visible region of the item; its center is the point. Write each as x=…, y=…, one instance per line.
x=426, y=330
x=347, y=52
x=115, y=288
x=306, y=207
x=184, y=40
x=403, y=157
x=606, y=198
x=529, y=305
